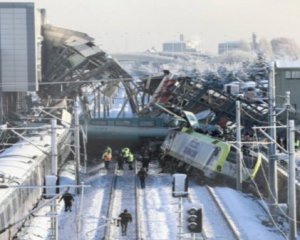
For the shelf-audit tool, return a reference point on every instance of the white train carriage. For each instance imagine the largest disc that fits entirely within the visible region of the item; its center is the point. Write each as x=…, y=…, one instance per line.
x=25, y=164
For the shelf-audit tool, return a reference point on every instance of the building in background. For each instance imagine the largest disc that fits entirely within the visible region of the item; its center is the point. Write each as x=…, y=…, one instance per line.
x=287, y=78
x=225, y=47
x=20, y=55
x=180, y=46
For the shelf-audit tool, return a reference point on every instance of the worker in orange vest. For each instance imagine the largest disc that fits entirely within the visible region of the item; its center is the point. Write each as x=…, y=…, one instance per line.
x=107, y=156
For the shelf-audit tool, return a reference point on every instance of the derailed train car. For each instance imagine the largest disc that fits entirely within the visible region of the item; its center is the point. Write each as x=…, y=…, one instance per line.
x=212, y=156
x=25, y=164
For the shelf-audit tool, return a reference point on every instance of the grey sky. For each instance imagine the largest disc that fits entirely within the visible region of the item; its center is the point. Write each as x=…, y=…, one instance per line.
x=136, y=25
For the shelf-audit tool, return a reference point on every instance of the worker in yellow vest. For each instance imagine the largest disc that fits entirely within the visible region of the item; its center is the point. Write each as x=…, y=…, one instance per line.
x=128, y=157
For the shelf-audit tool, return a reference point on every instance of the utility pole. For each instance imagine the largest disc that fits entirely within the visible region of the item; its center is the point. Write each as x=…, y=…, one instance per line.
x=287, y=105
x=291, y=181
x=273, y=195
x=53, y=210
x=239, y=156
x=180, y=219
x=77, y=143
x=1, y=107
x=53, y=147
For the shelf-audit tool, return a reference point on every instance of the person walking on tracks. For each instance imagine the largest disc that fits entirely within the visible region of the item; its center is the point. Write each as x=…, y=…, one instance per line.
x=128, y=157
x=120, y=161
x=146, y=158
x=142, y=174
x=68, y=199
x=106, y=157
x=124, y=218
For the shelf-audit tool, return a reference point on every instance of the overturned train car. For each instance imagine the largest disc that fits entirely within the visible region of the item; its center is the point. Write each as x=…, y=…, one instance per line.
x=213, y=157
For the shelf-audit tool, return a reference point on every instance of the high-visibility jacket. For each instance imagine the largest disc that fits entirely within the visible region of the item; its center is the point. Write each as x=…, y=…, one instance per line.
x=108, y=149
x=125, y=152
x=106, y=156
x=130, y=157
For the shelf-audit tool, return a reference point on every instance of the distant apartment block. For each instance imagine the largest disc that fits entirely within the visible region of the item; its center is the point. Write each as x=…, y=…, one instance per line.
x=229, y=46
x=174, y=47
x=177, y=46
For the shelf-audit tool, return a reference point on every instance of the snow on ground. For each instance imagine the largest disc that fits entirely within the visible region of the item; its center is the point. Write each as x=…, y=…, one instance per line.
x=248, y=214
x=213, y=222
x=159, y=216
x=124, y=199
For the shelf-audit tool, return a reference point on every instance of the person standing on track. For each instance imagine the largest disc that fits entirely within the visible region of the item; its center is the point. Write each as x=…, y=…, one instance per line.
x=68, y=199
x=142, y=174
x=146, y=159
x=106, y=156
x=124, y=218
x=120, y=161
x=128, y=157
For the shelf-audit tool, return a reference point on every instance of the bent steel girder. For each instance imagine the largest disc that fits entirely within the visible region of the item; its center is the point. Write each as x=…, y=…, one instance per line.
x=71, y=60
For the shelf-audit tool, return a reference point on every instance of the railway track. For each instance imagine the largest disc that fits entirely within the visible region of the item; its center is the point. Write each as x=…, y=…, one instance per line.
x=124, y=195
x=222, y=224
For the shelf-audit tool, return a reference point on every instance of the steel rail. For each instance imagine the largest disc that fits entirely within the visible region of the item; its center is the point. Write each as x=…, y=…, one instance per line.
x=233, y=228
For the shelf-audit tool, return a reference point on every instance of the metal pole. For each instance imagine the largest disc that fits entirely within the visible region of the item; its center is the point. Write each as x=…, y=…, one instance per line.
x=291, y=180
x=99, y=103
x=273, y=195
x=1, y=107
x=287, y=105
x=54, y=226
x=180, y=219
x=53, y=147
x=79, y=216
x=239, y=178
x=77, y=143
x=84, y=142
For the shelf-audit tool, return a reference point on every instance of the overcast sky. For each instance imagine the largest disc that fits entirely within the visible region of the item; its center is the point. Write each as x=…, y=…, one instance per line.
x=137, y=25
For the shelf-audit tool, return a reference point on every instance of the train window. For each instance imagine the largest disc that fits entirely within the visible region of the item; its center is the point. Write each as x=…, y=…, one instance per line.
x=146, y=123
x=122, y=123
x=216, y=151
x=27, y=192
x=232, y=156
x=19, y=197
x=14, y=205
x=23, y=195
x=8, y=213
x=249, y=161
x=2, y=221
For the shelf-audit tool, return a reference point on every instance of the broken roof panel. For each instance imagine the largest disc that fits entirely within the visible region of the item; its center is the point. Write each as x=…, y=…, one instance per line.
x=71, y=60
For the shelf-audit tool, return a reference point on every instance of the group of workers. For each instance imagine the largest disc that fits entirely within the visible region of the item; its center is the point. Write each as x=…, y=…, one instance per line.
x=126, y=156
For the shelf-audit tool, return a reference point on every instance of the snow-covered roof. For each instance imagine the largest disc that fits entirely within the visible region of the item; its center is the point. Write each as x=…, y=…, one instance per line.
x=288, y=64
x=16, y=161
